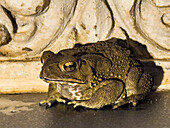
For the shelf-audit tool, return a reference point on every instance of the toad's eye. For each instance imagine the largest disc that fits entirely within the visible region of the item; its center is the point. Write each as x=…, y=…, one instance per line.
x=69, y=66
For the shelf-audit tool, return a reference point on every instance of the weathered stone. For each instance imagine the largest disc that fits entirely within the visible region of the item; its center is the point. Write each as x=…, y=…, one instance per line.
x=30, y=27
x=21, y=77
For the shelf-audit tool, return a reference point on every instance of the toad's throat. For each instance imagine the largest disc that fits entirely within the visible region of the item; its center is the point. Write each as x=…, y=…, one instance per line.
x=70, y=90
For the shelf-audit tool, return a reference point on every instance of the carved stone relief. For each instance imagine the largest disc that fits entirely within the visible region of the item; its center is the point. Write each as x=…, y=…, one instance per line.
x=146, y=21
x=33, y=25
x=29, y=27
x=152, y=21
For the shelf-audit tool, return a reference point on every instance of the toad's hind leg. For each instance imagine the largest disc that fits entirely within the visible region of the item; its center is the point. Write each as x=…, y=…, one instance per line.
x=105, y=95
x=138, y=85
x=53, y=96
x=138, y=82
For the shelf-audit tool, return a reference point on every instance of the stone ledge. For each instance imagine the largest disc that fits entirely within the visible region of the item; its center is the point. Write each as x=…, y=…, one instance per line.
x=11, y=86
x=23, y=77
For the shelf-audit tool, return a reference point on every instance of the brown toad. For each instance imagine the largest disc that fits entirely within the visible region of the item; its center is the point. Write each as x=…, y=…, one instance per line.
x=94, y=75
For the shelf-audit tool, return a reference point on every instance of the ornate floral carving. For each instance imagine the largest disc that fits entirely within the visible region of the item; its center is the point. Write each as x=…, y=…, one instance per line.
x=30, y=26
x=36, y=25
x=146, y=21
x=151, y=20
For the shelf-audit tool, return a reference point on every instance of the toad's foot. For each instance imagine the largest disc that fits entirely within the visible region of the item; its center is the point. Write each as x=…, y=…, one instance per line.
x=77, y=103
x=46, y=103
x=132, y=99
x=50, y=100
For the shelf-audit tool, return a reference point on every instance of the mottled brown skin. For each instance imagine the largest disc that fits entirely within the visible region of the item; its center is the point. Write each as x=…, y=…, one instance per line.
x=94, y=75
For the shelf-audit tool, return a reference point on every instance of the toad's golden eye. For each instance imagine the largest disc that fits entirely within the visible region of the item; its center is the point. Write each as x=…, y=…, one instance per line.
x=70, y=66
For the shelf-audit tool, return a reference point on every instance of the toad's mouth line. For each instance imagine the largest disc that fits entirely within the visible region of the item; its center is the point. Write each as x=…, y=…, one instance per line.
x=63, y=81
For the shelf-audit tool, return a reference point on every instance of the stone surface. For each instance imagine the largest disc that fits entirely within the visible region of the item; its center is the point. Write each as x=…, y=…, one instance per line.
x=23, y=111
x=27, y=28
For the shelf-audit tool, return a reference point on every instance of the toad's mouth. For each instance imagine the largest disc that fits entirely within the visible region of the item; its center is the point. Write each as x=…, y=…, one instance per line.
x=68, y=81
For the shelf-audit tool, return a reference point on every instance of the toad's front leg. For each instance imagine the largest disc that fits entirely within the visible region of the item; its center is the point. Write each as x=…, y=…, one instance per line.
x=53, y=96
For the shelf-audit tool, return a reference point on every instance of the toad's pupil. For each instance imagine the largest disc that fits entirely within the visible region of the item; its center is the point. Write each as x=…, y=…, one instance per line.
x=70, y=66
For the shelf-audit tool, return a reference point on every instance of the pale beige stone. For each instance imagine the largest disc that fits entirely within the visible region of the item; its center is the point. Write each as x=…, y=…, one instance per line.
x=166, y=76
x=21, y=77
x=36, y=26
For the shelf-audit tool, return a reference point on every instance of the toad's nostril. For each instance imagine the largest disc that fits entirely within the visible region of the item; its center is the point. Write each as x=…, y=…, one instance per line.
x=41, y=75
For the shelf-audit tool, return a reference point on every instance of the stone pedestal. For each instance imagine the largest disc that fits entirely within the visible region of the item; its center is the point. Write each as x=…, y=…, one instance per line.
x=28, y=27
